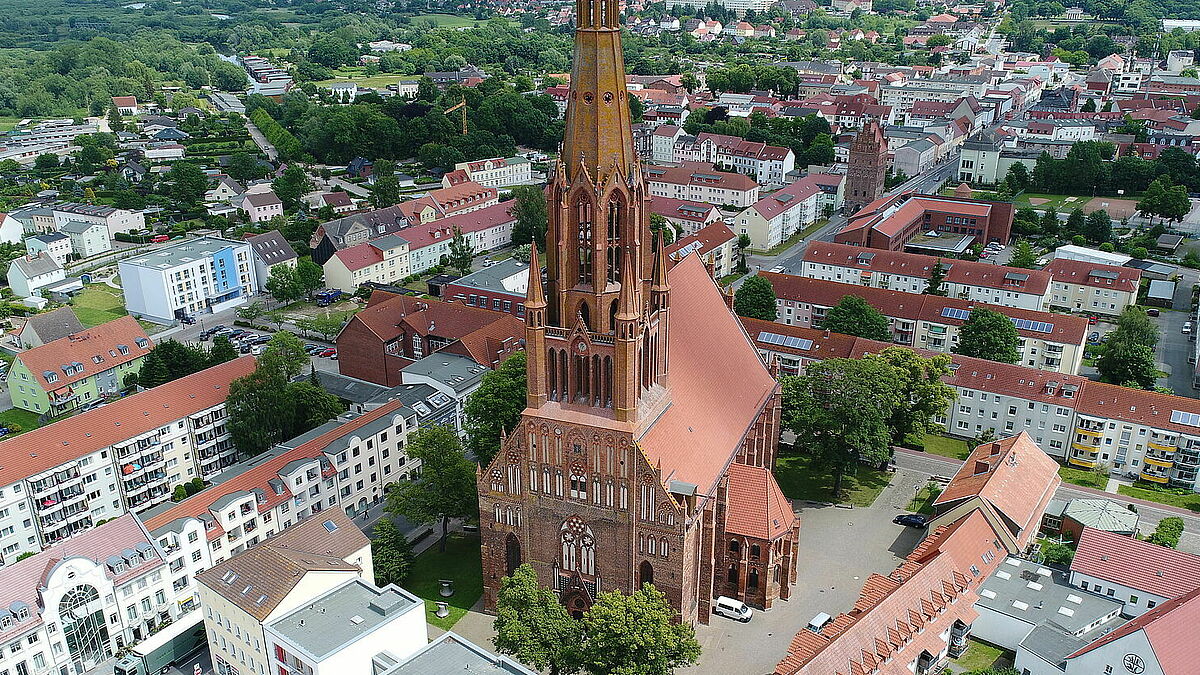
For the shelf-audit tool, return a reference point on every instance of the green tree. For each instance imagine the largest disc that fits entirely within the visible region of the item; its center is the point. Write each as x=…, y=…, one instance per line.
x=460, y=254
x=495, y=406
x=529, y=208
x=1134, y=325
x=1050, y=222
x=1153, y=199
x=855, y=316
x=756, y=299
x=1168, y=532
x=1017, y=177
x=1055, y=553
x=533, y=626
x=283, y=284
x=222, y=350
x=1176, y=203
x=186, y=183
x=252, y=311
x=936, y=284
x=391, y=553
x=1098, y=227
x=1023, y=256
x=323, y=324
x=636, y=634
x=924, y=394
x=153, y=372
x=445, y=486
x=989, y=335
x=291, y=186
x=1128, y=364
x=1076, y=222
x=309, y=277
x=46, y=162
x=385, y=186
x=841, y=412
x=244, y=166
x=179, y=494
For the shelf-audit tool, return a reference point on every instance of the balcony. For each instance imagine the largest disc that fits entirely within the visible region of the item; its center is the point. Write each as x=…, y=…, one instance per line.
x=1086, y=447
x=1085, y=463
x=1161, y=445
x=1159, y=462
x=1086, y=426
x=1154, y=478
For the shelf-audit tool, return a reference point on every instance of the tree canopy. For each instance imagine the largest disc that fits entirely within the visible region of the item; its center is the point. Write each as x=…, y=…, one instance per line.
x=855, y=316
x=496, y=405
x=756, y=299
x=445, y=486
x=990, y=335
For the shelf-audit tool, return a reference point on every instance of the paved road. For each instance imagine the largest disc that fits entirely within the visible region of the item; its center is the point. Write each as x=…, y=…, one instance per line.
x=350, y=187
x=261, y=141
x=1150, y=512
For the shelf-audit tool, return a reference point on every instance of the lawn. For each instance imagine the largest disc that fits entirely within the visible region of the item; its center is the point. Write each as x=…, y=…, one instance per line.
x=923, y=502
x=1083, y=477
x=792, y=240
x=448, y=20
x=7, y=123
x=1190, y=501
x=97, y=304
x=981, y=655
x=800, y=481
x=945, y=446
x=28, y=421
x=368, y=81
x=460, y=562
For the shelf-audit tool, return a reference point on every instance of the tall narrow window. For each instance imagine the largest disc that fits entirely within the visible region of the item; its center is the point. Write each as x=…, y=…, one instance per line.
x=585, y=241
x=614, y=240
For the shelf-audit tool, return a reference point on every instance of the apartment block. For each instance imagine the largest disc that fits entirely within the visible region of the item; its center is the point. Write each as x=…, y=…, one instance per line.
x=1054, y=342
x=113, y=219
x=382, y=260
x=764, y=163
x=125, y=456
x=194, y=276
x=909, y=272
x=716, y=245
x=1078, y=286
x=937, y=225
x=701, y=182
x=773, y=219
x=342, y=465
x=81, y=369
x=494, y=172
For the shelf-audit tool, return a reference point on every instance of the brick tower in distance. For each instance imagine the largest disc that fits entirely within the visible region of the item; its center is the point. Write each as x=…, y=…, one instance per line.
x=867, y=167
x=645, y=450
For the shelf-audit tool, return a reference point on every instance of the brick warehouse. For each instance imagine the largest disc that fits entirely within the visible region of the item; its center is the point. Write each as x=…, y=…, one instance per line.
x=639, y=457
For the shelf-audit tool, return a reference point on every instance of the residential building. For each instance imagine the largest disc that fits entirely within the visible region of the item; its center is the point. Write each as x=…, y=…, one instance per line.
x=1091, y=288
x=46, y=327
x=270, y=249
x=486, y=228
x=342, y=465
x=909, y=272
x=1070, y=518
x=87, y=238
x=34, y=219
x=495, y=172
x=126, y=105
x=243, y=594
x=1136, y=574
x=686, y=217
x=500, y=287
x=75, y=605
x=930, y=224
x=113, y=219
x=64, y=375
x=623, y=497
x=738, y=7
x=354, y=229
x=54, y=244
x=781, y=214
x=395, y=330
x=261, y=207
x=986, y=159
x=382, y=260
x=716, y=245
x=701, y=182
x=764, y=163
x=338, y=202
x=1054, y=342
x=459, y=199
x=193, y=276
x=454, y=652
x=104, y=462
x=866, y=167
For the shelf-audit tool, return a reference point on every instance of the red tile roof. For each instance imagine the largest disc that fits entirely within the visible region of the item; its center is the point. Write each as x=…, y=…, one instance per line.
x=359, y=256
x=1170, y=629
x=419, y=236
x=1151, y=408
x=790, y=196
x=708, y=238
x=47, y=447
x=124, y=101
x=1013, y=474
x=682, y=209
x=1148, y=567
x=757, y=507
x=1067, y=271
x=260, y=475
x=715, y=402
x=700, y=173
x=913, y=264
x=84, y=347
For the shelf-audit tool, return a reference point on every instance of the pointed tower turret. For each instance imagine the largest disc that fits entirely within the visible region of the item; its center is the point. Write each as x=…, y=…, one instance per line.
x=536, y=386
x=628, y=331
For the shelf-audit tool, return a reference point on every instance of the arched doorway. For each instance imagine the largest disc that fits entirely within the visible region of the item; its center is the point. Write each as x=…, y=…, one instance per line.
x=84, y=627
x=645, y=573
x=512, y=554
x=576, y=603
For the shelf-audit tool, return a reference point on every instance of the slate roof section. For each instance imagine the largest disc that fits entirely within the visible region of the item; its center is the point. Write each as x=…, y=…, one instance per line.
x=271, y=248
x=757, y=507
x=76, y=436
x=1124, y=560
x=54, y=325
x=450, y=654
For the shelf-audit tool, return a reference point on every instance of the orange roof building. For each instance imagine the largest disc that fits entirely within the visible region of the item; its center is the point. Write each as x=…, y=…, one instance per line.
x=892, y=222
x=621, y=469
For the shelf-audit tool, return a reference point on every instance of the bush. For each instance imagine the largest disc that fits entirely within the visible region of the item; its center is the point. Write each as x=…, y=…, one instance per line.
x=1057, y=554
x=1168, y=532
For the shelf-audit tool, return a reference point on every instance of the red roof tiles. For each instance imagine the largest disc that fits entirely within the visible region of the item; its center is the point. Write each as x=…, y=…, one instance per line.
x=1067, y=271
x=1137, y=564
x=98, y=342
x=1170, y=629
x=757, y=507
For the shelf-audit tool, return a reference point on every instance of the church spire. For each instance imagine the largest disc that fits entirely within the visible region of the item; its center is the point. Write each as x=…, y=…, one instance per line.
x=534, y=297
x=536, y=366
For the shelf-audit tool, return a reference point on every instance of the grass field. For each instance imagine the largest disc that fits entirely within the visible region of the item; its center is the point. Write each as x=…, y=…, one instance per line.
x=923, y=502
x=363, y=80
x=460, y=562
x=7, y=123
x=981, y=655
x=448, y=20
x=97, y=304
x=23, y=418
x=945, y=446
x=800, y=481
x=1083, y=477
x=1190, y=501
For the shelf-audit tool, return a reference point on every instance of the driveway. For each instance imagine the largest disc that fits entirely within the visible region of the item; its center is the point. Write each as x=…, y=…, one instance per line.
x=839, y=549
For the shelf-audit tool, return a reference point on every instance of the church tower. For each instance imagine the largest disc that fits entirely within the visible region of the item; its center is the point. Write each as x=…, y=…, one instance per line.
x=866, y=168
x=603, y=326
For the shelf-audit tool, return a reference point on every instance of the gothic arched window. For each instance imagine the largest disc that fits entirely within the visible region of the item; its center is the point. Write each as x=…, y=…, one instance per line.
x=585, y=240
x=578, y=547
x=615, y=208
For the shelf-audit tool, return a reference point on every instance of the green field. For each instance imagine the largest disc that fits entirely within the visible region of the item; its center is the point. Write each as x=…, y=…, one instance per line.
x=359, y=77
x=97, y=304
x=798, y=480
x=981, y=655
x=460, y=562
x=7, y=123
x=945, y=446
x=1190, y=501
x=448, y=20
x=1083, y=477
x=24, y=419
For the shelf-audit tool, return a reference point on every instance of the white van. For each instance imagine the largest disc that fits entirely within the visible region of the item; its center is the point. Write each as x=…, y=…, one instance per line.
x=818, y=622
x=734, y=609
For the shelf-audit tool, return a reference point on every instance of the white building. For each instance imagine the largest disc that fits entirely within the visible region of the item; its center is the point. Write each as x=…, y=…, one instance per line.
x=764, y=163
x=55, y=244
x=87, y=238
x=495, y=172
x=77, y=604
x=29, y=273
x=113, y=219
x=781, y=214
x=701, y=182
x=261, y=206
x=193, y=276
x=1088, y=287
x=1138, y=574
x=383, y=260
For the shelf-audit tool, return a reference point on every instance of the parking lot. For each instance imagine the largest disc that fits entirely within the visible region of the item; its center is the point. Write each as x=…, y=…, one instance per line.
x=839, y=548
x=206, y=322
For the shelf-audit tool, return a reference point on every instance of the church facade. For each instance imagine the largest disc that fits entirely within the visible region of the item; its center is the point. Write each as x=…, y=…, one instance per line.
x=645, y=452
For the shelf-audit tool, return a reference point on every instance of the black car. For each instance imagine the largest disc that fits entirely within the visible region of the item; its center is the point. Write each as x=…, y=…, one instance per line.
x=911, y=520
x=187, y=320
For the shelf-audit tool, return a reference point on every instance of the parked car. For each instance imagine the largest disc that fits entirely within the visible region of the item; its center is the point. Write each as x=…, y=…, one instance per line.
x=327, y=353
x=1092, y=320
x=734, y=609
x=1094, y=338
x=258, y=349
x=188, y=320
x=313, y=349
x=1187, y=328
x=159, y=238
x=911, y=520
x=1152, y=312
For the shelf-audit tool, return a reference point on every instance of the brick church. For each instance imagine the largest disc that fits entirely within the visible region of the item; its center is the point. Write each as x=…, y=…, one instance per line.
x=646, y=448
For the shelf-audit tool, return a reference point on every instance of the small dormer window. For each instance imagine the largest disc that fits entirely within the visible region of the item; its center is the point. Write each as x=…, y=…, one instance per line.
x=22, y=613
x=141, y=342
x=124, y=349
x=50, y=376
